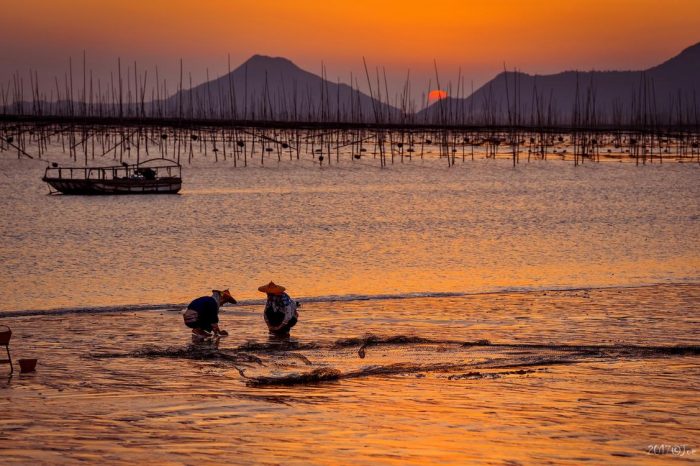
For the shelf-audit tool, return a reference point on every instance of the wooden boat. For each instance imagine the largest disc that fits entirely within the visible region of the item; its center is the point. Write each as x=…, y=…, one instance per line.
x=154, y=176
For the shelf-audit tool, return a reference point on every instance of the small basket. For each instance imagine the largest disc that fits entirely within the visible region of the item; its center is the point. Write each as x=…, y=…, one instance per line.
x=27, y=365
x=5, y=335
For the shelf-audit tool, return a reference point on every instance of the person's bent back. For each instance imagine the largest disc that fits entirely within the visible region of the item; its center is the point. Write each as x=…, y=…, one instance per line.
x=280, y=310
x=202, y=314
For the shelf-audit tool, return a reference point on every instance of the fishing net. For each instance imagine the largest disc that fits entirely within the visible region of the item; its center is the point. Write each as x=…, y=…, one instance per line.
x=289, y=362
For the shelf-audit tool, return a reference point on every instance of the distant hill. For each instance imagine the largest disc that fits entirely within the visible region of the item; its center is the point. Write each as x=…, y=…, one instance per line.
x=267, y=88
x=262, y=88
x=670, y=92
x=270, y=88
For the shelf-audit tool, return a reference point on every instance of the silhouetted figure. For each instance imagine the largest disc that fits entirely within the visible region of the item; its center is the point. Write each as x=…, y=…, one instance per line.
x=202, y=314
x=280, y=310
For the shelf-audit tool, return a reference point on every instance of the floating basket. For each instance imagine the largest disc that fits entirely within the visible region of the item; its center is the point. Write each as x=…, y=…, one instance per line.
x=27, y=365
x=5, y=335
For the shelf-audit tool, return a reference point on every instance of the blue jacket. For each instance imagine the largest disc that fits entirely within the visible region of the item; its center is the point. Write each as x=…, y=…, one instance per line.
x=207, y=309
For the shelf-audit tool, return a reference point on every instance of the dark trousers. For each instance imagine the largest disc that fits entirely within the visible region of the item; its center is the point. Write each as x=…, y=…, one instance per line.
x=285, y=330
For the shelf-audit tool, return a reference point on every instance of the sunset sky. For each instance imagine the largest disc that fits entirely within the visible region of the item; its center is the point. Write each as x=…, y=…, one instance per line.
x=536, y=36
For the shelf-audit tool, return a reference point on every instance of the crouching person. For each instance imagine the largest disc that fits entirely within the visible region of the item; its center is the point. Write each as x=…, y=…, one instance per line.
x=280, y=310
x=202, y=314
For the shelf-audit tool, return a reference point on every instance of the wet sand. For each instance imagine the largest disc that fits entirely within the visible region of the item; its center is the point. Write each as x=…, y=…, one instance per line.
x=566, y=377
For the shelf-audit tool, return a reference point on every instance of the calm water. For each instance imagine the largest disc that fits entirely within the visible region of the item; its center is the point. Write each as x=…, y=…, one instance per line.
x=352, y=229
x=590, y=375
x=126, y=388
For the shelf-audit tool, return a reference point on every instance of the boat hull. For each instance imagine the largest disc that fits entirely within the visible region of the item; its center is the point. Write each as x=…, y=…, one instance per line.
x=115, y=186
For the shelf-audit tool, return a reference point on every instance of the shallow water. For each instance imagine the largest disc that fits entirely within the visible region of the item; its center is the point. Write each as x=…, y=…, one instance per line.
x=567, y=377
x=418, y=340
x=349, y=229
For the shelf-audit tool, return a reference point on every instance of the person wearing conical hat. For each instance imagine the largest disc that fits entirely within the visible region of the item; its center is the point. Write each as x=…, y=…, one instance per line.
x=202, y=314
x=280, y=310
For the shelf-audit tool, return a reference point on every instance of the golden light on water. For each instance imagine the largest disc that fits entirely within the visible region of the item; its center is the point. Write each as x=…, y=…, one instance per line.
x=467, y=296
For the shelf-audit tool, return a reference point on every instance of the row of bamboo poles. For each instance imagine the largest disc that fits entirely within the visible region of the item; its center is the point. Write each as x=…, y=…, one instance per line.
x=121, y=119
x=243, y=145
x=132, y=92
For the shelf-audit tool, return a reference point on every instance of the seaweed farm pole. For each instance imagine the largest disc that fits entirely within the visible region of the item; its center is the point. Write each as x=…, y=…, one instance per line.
x=119, y=71
x=72, y=100
x=388, y=102
x=337, y=109
x=84, y=87
x=69, y=92
x=378, y=132
x=179, y=92
x=180, y=114
x=510, y=117
x=443, y=115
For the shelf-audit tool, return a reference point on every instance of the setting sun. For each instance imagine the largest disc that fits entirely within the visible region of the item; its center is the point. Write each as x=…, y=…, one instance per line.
x=349, y=232
x=435, y=95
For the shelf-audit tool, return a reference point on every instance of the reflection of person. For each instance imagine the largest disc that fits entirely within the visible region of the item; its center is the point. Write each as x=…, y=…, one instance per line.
x=202, y=314
x=280, y=310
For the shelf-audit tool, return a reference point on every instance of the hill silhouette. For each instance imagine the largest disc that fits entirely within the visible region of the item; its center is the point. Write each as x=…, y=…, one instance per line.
x=667, y=92
x=274, y=88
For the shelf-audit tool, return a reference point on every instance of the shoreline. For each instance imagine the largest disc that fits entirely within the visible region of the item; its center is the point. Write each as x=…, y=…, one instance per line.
x=176, y=307
x=472, y=373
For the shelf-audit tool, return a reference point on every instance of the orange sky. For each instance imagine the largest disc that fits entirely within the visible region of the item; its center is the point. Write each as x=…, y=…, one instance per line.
x=537, y=36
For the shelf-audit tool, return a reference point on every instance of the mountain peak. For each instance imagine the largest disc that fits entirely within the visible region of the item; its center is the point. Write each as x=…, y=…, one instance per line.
x=265, y=60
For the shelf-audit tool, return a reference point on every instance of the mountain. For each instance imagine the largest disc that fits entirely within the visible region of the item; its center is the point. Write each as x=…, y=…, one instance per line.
x=263, y=88
x=267, y=88
x=669, y=92
x=273, y=88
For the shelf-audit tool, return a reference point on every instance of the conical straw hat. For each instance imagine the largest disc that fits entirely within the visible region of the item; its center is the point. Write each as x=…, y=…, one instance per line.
x=226, y=296
x=272, y=288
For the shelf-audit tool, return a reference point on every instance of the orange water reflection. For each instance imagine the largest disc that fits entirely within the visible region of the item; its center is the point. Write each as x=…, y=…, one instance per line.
x=350, y=229
x=599, y=409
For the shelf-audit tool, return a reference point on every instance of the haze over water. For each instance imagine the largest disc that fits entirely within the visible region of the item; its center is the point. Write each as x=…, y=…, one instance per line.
x=350, y=229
